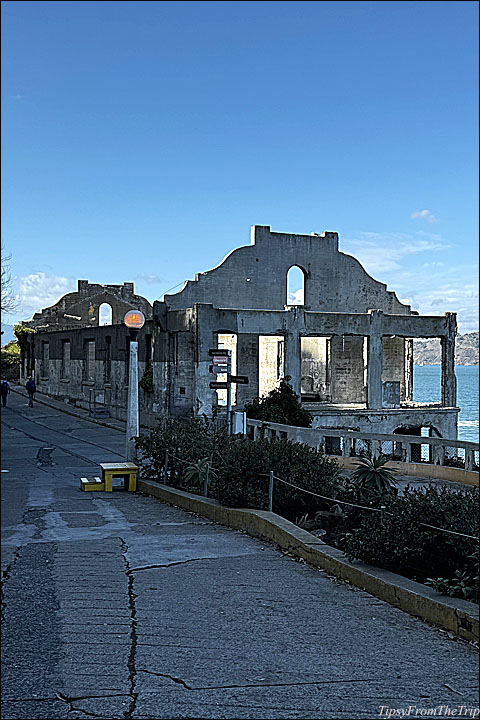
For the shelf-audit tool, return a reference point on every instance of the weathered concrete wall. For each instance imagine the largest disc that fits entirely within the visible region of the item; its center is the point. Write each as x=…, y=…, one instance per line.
x=393, y=363
x=255, y=277
x=347, y=369
x=81, y=308
x=386, y=421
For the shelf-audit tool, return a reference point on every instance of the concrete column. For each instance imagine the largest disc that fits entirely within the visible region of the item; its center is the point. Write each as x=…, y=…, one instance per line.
x=449, y=382
x=408, y=369
x=374, y=369
x=247, y=364
x=205, y=319
x=438, y=454
x=293, y=364
x=133, y=427
x=469, y=459
x=347, y=446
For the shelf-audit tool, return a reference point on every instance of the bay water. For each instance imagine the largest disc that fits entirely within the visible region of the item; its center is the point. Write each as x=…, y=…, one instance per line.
x=427, y=387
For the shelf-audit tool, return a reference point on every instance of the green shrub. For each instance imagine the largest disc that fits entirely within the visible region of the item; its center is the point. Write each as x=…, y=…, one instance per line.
x=11, y=361
x=146, y=381
x=372, y=475
x=400, y=543
x=241, y=466
x=281, y=405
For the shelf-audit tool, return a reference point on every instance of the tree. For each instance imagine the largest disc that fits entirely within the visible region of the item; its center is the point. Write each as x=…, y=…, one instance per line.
x=281, y=405
x=11, y=361
x=9, y=299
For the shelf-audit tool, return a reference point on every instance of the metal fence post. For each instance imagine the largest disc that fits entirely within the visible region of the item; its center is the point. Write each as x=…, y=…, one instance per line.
x=165, y=469
x=270, y=491
x=205, y=482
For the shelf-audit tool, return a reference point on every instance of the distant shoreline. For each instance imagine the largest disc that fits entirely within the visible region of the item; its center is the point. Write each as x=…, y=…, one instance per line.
x=438, y=364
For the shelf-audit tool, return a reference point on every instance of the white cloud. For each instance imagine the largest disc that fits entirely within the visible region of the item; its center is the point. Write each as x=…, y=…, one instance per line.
x=150, y=279
x=382, y=252
x=39, y=290
x=296, y=298
x=432, y=287
x=424, y=215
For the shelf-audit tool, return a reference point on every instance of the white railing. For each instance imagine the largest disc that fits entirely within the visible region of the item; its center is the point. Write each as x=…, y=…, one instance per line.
x=405, y=448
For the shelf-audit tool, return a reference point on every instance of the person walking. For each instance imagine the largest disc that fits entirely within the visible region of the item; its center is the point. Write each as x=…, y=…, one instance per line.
x=5, y=391
x=31, y=389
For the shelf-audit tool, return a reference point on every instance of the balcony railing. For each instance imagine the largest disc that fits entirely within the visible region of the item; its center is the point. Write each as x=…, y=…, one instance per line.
x=346, y=443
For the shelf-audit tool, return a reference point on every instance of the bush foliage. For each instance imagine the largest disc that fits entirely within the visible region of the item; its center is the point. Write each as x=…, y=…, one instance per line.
x=241, y=466
x=11, y=361
x=281, y=405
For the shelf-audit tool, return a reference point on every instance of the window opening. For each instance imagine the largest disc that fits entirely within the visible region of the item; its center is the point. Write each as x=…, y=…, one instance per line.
x=105, y=314
x=295, y=286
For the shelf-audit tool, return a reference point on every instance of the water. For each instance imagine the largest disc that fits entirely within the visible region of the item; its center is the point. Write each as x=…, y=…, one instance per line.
x=427, y=384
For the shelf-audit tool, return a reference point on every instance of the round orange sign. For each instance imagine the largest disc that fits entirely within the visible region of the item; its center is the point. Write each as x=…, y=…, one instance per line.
x=134, y=319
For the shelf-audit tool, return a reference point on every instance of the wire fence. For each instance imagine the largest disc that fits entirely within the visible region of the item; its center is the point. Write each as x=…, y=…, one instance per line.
x=203, y=472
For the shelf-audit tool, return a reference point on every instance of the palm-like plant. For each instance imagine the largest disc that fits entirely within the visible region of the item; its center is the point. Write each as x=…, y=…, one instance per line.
x=200, y=473
x=371, y=474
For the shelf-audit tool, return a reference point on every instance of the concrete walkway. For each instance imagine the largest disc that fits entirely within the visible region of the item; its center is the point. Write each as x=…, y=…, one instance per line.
x=116, y=606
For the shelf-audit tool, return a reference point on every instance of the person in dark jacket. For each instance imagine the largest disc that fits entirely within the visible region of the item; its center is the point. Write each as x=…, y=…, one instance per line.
x=31, y=389
x=5, y=391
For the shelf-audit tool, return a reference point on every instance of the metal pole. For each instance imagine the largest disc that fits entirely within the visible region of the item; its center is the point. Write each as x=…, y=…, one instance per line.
x=132, y=401
x=205, y=484
x=270, y=491
x=229, y=393
x=165, y=469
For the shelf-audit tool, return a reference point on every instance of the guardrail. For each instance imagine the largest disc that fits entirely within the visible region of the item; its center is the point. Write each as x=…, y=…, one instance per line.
x=348, y=443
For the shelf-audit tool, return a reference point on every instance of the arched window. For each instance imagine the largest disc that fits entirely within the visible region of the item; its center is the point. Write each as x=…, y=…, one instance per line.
x=105, y=314
x=295, y=286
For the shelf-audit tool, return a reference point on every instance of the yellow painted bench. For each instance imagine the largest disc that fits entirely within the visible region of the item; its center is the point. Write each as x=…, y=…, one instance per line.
x=127, y=470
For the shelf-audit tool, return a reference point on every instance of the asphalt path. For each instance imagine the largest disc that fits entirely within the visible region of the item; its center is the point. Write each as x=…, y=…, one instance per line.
x=115, y=605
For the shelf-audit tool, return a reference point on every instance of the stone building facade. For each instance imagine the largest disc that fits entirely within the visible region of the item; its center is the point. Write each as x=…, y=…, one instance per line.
x=348, y=348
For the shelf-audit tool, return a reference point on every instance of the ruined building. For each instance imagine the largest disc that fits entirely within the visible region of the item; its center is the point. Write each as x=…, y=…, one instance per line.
x=347, y=349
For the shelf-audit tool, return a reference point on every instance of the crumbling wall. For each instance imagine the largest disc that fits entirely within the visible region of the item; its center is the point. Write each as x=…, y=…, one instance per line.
x=255, y=277
x=82, y=308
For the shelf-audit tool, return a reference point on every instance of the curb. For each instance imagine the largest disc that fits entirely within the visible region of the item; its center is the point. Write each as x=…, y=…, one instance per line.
x=453, y=614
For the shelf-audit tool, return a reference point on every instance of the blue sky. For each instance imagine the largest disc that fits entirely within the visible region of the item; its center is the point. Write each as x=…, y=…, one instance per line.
x=140, y=140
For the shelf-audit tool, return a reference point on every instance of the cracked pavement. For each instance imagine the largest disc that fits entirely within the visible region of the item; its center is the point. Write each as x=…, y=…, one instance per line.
x=118, y=606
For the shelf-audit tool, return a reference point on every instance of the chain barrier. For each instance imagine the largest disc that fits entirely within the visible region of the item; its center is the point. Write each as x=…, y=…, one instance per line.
x=324, y=497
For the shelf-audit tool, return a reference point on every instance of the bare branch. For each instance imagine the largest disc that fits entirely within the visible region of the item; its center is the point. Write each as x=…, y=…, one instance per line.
x=9, y=300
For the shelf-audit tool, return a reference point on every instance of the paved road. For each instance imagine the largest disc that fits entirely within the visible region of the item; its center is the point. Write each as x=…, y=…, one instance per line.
x=117, y=606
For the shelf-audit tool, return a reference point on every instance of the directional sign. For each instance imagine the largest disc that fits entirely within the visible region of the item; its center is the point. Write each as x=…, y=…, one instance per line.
x=239, y=379
x=219, y=385
x=218, y=351
x=219, y=360
x=218, y=369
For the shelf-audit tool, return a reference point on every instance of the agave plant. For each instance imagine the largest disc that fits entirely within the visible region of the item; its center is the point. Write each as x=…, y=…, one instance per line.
x=199, y=473
x=371, y=474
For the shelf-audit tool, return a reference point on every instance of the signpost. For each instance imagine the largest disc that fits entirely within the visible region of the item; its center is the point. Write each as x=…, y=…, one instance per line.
x=222, y=365
x=134, y=320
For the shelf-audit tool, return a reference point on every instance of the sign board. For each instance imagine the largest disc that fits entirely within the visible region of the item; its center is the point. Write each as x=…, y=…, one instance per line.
x=219, y=360
x=219, y=385
x=134, y=319
x=218, y=369
x=218, y=351
x=239, y=379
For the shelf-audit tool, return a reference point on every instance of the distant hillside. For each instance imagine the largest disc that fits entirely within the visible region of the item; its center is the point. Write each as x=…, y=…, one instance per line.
x=428, y=352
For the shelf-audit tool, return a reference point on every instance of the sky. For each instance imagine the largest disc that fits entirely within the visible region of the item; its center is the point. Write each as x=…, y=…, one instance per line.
x=141, y=140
